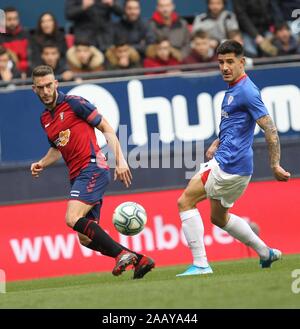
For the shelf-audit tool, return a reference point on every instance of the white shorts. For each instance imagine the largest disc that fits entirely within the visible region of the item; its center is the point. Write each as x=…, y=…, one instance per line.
x=220, y=185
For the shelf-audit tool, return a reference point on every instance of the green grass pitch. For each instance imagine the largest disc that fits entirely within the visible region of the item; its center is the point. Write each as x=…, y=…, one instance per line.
x=234, y=284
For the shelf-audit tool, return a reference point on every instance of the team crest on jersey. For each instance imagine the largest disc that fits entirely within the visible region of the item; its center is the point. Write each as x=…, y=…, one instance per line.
x=230, y=99
x=224, y=114
x=62, y=115
x=63, y=138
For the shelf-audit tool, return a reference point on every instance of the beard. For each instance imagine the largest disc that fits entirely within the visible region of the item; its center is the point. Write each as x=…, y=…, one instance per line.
x=51, y=102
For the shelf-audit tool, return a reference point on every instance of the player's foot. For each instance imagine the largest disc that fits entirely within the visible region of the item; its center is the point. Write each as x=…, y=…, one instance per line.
x=196, y=270
x=274, y=255
x=123, y=260
x=145, y=265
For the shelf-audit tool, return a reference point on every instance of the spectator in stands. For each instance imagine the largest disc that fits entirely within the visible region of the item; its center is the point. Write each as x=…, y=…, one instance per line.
x=8, y=70
x=201, y=52
x=92, y=20
x=162, y=54
x=15, y=38
x=284, y=41
x=122, y=56
x=133, y=28
x=237, y=36
x=83, y=57
x=51, y=56
x=217, y=22
x=256, y=18
x=165, y=22
x=47, y=31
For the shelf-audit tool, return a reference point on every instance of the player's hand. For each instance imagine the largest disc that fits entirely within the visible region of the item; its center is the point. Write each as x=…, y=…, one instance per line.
x=212, y=149
x=36, y=169
x=123, y=173
x=280, y=174
x=211, y=152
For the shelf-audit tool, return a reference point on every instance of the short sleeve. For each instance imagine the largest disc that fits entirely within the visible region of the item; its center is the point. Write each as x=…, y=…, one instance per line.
x=85, y=110
x=255, y=105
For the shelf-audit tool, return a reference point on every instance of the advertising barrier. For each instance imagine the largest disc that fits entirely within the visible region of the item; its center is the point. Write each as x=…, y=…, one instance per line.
x=181, y=108
x=36, y=243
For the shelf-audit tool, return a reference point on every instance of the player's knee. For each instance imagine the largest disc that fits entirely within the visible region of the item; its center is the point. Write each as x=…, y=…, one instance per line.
x=71, y=220
x=183, y=203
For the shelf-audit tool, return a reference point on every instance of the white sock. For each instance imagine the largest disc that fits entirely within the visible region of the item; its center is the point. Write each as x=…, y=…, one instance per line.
x=241, y=230
x=193, y=230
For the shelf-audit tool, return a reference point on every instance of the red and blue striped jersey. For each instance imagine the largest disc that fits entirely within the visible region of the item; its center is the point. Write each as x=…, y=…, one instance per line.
x=70, y=129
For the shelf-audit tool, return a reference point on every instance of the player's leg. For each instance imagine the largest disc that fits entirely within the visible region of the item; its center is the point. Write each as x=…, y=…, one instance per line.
x=101, y=241
x=241, y=230
x=87, y=189
x=94, y=215
x=192, y=224
x=76, y=219
x=143, y=263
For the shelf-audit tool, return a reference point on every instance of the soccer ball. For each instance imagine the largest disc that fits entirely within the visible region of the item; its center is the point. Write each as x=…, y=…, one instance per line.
x=129, y=218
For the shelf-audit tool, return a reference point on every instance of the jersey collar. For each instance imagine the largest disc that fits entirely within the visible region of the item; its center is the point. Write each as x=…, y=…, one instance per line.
x=244, y=76
x=60, y=98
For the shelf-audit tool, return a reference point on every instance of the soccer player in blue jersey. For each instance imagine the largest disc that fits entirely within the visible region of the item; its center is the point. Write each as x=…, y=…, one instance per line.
x=69, y=123
x=225, y=177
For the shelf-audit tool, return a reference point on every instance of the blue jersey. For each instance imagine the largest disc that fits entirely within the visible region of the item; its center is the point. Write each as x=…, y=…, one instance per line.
x=242, y=106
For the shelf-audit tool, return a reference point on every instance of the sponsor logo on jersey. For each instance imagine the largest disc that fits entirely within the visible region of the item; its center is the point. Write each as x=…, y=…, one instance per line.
x=62, y=115
x=224, y=114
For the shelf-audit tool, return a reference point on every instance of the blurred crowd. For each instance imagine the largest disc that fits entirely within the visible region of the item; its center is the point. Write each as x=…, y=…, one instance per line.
x=108, y=36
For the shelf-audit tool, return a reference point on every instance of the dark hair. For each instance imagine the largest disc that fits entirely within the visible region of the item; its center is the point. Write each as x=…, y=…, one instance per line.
x=224, y=2
x=10, y=9
x=230, y=46
x=125, y=1
x=200, y=34
x=80, y=41
x=121, y=40
x=49, y=45
x=161, y=38
x=3, y=50
x=280, y=26
x=41, y=71
x=39, y=30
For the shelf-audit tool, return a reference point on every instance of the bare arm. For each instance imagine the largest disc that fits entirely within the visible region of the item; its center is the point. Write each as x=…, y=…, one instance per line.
x=212, y=149
x=266, y=123
x=51, y=157
x=122, y=170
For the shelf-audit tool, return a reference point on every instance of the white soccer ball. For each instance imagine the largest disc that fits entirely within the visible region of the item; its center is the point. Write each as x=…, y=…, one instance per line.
x=129, y=218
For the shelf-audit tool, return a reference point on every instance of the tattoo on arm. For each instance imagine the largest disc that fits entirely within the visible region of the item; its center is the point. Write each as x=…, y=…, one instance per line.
x=266, y=123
